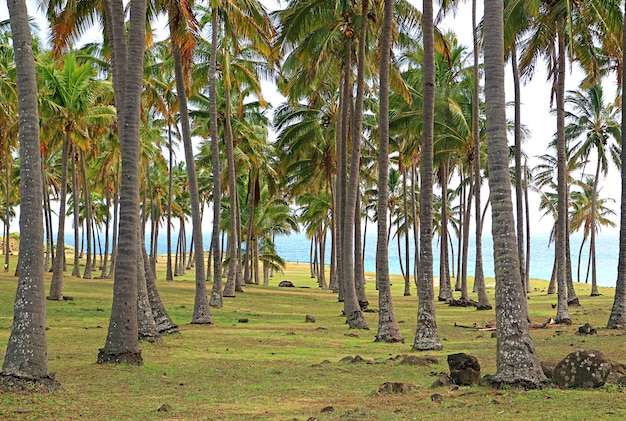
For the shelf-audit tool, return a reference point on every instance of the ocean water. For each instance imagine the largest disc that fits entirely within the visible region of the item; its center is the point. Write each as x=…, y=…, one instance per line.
x=296, y=248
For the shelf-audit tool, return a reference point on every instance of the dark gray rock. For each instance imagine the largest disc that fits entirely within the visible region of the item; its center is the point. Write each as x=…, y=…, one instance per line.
x=582, y=369
x=286, y=284
x=464, y=369
x=587, y=329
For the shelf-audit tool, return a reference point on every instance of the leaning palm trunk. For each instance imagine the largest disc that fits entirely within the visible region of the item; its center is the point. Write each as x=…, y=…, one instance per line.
x=201, y=309
x=617, y=317
x=517, y=362
x=388, y=330
x=427, y=333
x=26, y=358
x=164, y=323
x=146, y=326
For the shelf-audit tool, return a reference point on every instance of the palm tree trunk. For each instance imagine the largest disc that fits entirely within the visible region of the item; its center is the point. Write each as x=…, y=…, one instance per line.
x=592, y=249
x=56, y=285
x=115, y=234
x=76, y=213
x=26, y=357
x=445, y=287
x=527, y=209
x=169, y=275
x=388, y=329
x=479, y=277
x=105, y=262
x=352, y=309
x=407, y=256
x=229, y=289
x=617, y=318
x=562, y=315
x=88, y=260
x=122, y=345
x=519, y=220
x=517, y=363
x=216, y=292
x=427, y=333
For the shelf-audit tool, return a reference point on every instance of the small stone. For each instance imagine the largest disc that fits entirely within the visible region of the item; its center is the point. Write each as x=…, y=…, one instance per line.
x=436, y=397
x=309, y=319
x=327, y=409
x=165, y=408
x=244, y=320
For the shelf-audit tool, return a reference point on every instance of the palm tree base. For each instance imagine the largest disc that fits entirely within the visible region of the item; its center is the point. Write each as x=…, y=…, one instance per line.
x=389, y=337
x=574, y=303
x=357, y=321
x=427, y=345
x=506, y=382
x=11, y=383
x=482, y=307
x=564, y=321
x=151, y=338
x=124, y=357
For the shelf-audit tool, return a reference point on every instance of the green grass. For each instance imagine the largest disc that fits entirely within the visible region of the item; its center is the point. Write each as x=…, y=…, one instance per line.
x=271, y=368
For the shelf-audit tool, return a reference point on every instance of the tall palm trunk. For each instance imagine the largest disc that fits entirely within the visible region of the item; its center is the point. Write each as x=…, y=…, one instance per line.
x=216, y=291
x=26, y=357
x=107, y=223
x=617, y=318
x=201, y=309
x=56, y=285
x=562, y=314
x=519, y=195
x=445, y=287
x=352, y=309
x=169, y=275
x=229, y=288
x=479, y=277
x=427, y=334
x=388, y=330
x=592, y=248
x=517, y=363
x=122, y=344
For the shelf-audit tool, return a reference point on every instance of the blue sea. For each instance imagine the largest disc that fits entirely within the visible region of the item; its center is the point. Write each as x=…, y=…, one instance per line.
x=296, y=248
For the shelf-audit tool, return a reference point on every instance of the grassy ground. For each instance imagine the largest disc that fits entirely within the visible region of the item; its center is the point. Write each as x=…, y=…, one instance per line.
x=277, y=367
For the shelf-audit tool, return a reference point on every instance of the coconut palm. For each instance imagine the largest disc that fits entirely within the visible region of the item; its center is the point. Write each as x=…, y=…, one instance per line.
x=617, y=318
x=26, y=357
x=127, y=50
x=589, y=213
x=517, y=362
x=74, y=100
x=597, y=125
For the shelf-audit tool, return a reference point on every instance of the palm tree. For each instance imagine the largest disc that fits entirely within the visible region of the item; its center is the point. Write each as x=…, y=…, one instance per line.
x=589, y=213
x=617, y=318
x=122, y=345
x=26, y=357
x=426, y=334
x=183, y=27
x=74, y=100
x=597, y=123
x=388, y=330
x=517, y=363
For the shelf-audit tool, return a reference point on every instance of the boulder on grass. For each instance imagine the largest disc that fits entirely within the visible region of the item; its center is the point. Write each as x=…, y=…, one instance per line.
x=584, y=369
x=464, y=369
x=286, y=284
